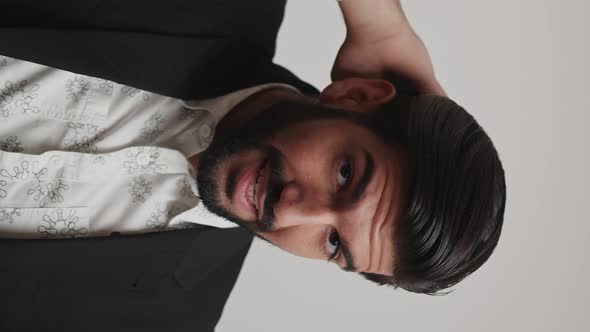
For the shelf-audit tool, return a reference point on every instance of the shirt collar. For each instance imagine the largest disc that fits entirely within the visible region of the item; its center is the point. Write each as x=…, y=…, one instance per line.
x=218, y=107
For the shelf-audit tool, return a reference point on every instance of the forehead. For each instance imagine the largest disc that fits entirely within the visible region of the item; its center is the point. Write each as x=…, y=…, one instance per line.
x=345, y=129
x=288, y=115
x=393, y=186
x=385, y=196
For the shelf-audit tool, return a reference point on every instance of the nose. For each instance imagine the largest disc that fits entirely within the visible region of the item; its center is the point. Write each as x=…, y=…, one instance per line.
x=300, y=205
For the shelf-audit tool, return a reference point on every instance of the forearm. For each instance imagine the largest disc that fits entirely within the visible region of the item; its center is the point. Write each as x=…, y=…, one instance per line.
x=373, y=19
x=380, y=42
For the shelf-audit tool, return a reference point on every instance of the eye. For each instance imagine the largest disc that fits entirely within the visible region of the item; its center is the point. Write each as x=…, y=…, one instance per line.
x=332, y=245
x=344, y=174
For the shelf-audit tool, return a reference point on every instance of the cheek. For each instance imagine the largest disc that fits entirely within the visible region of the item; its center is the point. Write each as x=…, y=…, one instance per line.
x=295, y=142
x=305, y=147
x=303, y=241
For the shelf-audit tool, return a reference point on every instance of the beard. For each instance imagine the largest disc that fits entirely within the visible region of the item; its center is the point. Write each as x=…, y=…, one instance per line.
x=213, y=161
x=212, y=166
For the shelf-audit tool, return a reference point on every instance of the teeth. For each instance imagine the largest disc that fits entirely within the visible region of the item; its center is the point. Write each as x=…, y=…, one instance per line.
x=253, y=189
x=256, y=189
x=251, y=194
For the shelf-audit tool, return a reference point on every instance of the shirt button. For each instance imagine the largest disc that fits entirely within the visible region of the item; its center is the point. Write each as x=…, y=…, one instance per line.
x=205, y=131
x=143, y=159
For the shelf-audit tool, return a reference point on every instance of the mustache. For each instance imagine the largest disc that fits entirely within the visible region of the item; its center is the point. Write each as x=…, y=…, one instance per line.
x=275, y=184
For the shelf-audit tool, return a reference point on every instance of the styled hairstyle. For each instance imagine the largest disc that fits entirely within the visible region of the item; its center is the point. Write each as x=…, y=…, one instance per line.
x=455, y=208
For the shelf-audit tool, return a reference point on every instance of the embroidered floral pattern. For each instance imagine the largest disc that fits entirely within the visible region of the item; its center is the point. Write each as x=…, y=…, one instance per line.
x=158, y=220
x=106, y=86
x=153, y=127
x=143, y=159
x=23, y=172
x=51, y=191
x=3, y=192
x=77, y=88
x=161, y=216
x=185, y=187
x=134, y=92
x=99, y=160
x=140, y=189
x=43, y=191
x=19, y=97
x=11, y=144
x=60, y=225
x=83, y=137
x=8, y=214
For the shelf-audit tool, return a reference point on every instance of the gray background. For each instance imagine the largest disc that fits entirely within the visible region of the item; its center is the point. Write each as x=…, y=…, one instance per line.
x=521, y=67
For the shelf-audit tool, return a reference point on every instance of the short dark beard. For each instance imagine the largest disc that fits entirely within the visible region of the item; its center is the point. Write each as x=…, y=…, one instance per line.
x=209, y=171
x=248, y=138
x=211, y=165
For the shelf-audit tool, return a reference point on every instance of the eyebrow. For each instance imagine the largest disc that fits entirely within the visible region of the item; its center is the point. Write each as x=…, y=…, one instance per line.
x=348, y=257
x=359, y=191
x=357, y=194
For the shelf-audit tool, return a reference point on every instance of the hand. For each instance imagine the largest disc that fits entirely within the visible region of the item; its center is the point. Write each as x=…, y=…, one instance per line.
x=401, y=54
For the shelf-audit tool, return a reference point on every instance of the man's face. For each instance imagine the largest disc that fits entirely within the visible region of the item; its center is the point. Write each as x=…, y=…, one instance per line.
x=318, y=187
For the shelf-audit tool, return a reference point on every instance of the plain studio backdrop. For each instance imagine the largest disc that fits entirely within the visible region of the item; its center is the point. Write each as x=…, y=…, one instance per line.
x=521, y=68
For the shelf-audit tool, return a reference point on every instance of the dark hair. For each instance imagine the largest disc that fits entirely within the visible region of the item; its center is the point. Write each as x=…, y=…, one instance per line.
x=453, y=218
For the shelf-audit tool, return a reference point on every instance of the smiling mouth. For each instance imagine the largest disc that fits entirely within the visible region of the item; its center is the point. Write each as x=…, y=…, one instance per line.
x=255, y=189
x=249, y=191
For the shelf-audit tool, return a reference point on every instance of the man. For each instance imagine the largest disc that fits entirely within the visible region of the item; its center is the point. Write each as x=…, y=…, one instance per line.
x=405, y=189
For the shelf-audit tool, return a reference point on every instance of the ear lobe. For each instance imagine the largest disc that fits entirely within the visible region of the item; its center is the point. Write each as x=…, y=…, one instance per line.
x=358, y=94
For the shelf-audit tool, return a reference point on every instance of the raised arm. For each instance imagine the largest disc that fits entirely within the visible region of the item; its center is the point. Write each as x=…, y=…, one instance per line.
x=380, y=42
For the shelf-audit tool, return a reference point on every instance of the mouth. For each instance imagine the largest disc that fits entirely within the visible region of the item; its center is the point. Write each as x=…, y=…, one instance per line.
x=250, y=191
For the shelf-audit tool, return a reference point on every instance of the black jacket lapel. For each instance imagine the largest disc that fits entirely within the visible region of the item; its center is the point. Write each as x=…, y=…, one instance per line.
x=212, y=251
x=229, y=47
x=189, y=49
x=123, y=263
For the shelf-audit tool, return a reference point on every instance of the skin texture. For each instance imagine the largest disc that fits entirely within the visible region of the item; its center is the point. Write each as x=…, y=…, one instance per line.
x=301, y=208
x=380, y=41
x=314, y=199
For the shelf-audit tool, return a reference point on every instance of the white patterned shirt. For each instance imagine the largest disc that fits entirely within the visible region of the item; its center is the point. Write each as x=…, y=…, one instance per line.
x=84, y=156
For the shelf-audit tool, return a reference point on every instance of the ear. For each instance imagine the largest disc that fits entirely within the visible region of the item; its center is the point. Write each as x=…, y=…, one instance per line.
x=358, y=94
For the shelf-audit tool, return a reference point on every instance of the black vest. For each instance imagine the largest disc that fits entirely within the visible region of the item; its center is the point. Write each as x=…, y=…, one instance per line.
x=190, y=49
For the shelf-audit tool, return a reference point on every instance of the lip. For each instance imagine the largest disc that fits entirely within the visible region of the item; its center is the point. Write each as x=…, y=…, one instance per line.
x=241, y=196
